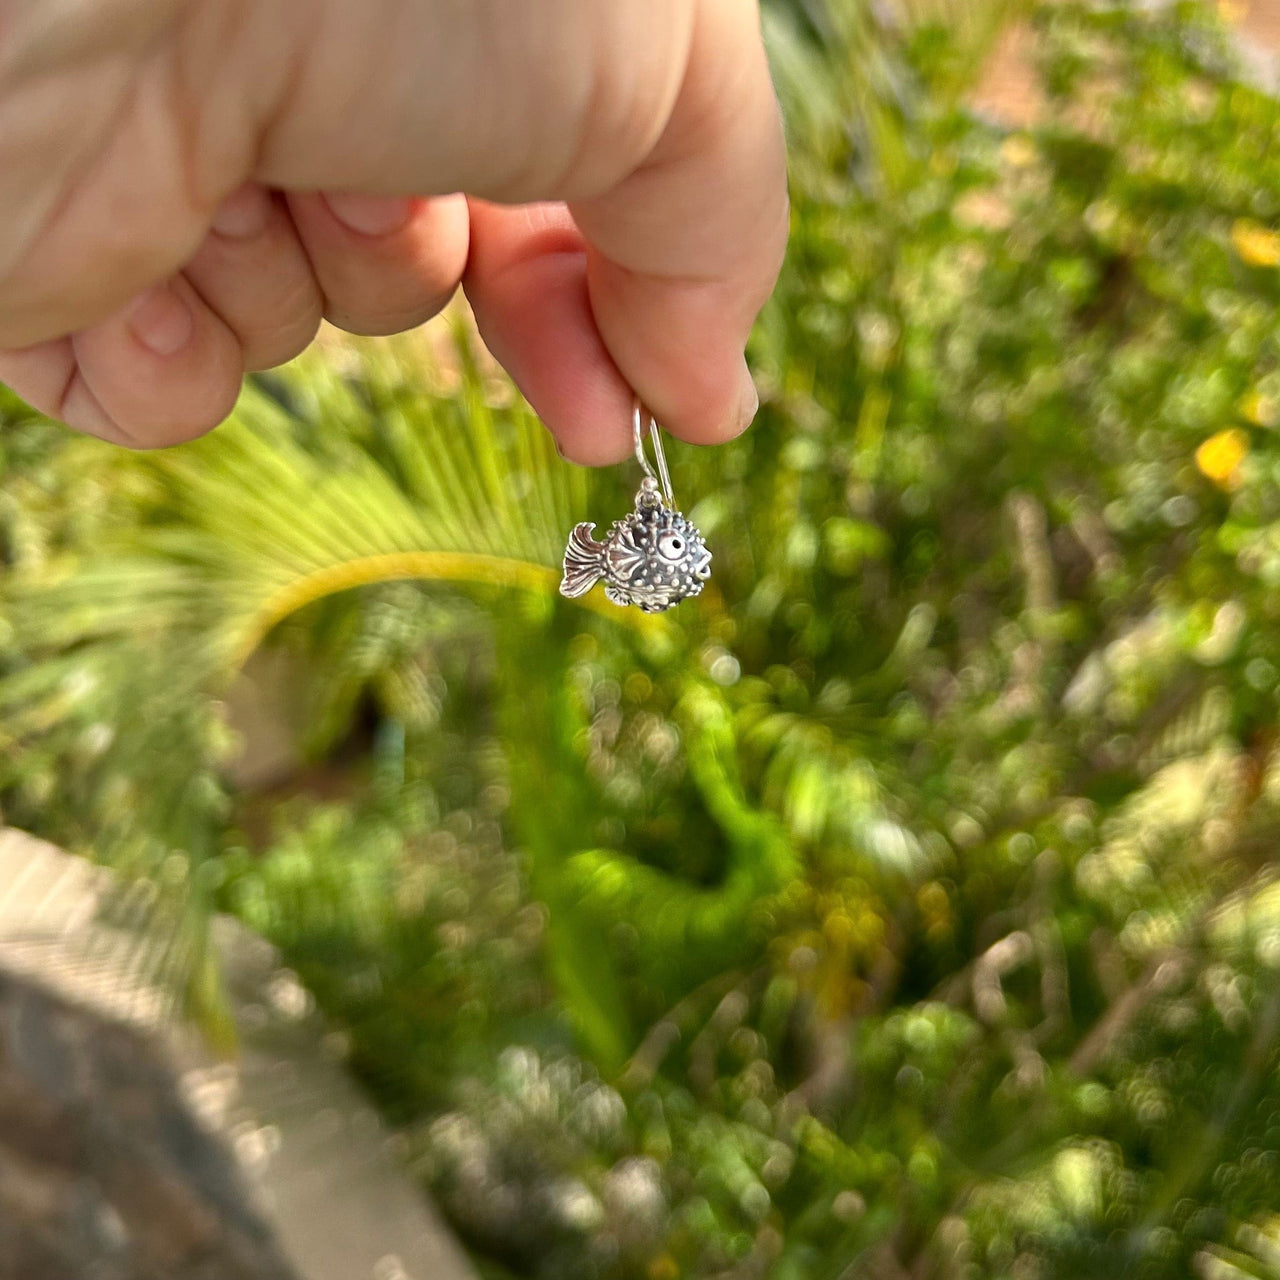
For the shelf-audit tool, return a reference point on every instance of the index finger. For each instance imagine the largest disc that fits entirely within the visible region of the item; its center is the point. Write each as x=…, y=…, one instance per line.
x=678, y=258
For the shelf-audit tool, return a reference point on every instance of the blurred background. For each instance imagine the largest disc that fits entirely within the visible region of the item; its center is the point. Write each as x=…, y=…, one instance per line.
x=904, y=906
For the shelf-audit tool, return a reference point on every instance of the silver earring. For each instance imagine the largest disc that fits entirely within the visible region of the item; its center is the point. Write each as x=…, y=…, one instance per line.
x=654, y=557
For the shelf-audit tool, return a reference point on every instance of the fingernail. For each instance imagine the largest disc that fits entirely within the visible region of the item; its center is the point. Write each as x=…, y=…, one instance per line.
x=749, y=403
x=370, y=215
x=161, y=320
x=243, y=213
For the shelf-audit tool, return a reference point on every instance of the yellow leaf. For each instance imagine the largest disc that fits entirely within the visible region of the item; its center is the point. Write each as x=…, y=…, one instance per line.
x=1257, y=245
x=1220, y=456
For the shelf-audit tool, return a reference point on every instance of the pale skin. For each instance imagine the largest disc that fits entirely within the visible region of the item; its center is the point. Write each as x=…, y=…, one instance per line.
x=188, y=186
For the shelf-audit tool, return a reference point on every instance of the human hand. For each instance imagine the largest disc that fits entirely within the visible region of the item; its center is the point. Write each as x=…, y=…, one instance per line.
x=162, y=229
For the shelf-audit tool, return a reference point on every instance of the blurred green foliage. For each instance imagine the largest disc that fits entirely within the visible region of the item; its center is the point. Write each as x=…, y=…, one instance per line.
x=904, y=906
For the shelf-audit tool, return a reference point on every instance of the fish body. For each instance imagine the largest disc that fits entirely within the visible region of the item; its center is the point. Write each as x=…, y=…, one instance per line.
x=653, y=558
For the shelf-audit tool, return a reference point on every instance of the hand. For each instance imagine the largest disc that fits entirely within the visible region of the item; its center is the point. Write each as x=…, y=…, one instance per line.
x=163, y=227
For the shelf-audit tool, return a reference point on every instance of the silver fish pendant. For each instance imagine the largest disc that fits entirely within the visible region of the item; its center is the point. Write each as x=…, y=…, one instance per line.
x=654, y=557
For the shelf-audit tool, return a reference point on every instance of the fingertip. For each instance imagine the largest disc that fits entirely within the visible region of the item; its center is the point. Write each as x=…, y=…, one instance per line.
x=743, y=413
x=163, y=370
x=537, y=322
x=680, y=344
x=750, y=405
x=527, y=284
x=47, y=377
x=709, y=407
x=589, y=445
x=253, y=273
x=82, y=411
x=384, y=265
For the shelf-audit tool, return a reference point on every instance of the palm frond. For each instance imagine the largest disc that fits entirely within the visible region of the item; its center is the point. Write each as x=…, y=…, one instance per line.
x=326, y=479
x=316, y=486
x=446, y=489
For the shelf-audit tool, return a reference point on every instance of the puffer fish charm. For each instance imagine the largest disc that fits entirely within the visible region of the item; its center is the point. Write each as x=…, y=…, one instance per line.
x=654, y=557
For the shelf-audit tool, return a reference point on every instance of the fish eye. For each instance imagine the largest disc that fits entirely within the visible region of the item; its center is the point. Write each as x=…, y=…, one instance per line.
x=671, y=546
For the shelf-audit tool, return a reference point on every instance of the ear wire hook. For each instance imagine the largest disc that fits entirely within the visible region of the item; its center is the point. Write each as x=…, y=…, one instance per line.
x=663, y=476
x=653, y=557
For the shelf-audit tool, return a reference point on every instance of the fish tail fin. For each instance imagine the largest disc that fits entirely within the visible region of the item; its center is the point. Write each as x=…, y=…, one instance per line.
x=583, y=562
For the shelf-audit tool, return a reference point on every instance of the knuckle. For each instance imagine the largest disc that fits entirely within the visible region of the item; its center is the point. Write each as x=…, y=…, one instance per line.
x=638, y=67
x=618, y=67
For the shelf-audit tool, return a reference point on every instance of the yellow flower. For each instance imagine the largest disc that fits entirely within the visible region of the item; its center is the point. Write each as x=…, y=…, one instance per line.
x=1261, y=410
x=1018, y=151
x=1257, y=245
x=1220, y=456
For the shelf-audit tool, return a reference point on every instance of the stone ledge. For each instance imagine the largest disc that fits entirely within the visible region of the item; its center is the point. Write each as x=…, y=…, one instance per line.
x=271, y=1161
